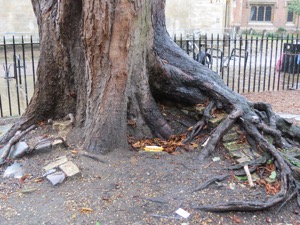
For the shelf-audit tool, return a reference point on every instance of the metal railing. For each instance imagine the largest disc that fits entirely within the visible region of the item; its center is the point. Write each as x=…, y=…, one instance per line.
x=17, y=74
x=249, y=63
x=246, y=64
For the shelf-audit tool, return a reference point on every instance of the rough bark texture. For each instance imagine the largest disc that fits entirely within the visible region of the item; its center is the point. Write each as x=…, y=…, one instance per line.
x=107, y=62
x=95, y=64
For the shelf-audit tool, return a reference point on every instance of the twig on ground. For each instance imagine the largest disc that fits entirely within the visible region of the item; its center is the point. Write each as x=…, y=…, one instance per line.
x=250, y=181
x=91, y=156
x=210, y=181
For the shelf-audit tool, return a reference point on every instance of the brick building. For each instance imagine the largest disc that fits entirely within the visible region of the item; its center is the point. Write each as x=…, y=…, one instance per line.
x=262, y=15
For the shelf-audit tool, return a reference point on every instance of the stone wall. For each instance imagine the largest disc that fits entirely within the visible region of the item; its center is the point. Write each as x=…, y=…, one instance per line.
x=193, y=16
x=17, y=18
x=183, y=17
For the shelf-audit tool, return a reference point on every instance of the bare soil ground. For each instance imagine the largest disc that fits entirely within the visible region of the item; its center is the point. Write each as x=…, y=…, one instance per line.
x=287, y=101
x=137, y=187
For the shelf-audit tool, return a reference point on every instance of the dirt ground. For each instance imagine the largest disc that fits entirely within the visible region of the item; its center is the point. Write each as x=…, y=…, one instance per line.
x=137, y=188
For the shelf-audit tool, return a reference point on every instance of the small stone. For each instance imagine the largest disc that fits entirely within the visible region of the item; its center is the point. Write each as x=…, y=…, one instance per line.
x=61, y=160
x=70, y=169
x=56, y=178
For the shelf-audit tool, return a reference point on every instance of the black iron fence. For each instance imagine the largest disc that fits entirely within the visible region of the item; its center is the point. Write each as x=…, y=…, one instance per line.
x=249, y=63
x=18, y=61
x=246, y=64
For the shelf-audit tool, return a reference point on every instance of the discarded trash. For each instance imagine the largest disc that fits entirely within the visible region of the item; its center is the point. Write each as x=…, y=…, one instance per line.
x=48, y=172
x=216, y=159
x=58, y=162
x=15, y=170
x=56, y=178
x=153, y=149
x=70, y=169
x=18, y=150
x=58, y=143
x=181, y=212
x=44, y=145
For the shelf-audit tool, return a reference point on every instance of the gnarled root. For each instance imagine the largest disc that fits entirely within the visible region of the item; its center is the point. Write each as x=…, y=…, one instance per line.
x=18, y=135
x=218, y=133
x=289, y=185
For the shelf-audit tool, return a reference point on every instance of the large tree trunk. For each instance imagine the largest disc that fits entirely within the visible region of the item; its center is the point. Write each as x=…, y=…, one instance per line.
x=95, y=62
x=107, y=62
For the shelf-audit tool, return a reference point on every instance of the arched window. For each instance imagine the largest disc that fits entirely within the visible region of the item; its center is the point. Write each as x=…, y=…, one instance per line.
x=290, y=16
x=268, y=13
x=261, y=13
x=253, y=13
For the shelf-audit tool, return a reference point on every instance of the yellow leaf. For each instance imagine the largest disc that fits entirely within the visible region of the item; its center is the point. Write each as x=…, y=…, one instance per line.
x=86, y=210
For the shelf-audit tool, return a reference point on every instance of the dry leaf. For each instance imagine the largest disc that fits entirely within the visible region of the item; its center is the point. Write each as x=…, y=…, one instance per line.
x=86, y=210
x=137, y=145
x=38, y=180
x=236, y=219
x=24, y=177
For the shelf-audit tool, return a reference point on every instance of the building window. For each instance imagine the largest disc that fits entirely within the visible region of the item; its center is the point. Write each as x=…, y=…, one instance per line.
x=290, y=16
x=261, y=13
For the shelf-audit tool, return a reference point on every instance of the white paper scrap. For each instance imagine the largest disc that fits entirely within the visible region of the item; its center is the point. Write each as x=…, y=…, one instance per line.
x=183, y=213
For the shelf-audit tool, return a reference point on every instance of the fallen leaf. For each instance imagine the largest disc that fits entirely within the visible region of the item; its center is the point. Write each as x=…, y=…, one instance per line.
x=241, y=178
x=24, y=177
x=236, y=219
x=38, y=180
x=86, y=210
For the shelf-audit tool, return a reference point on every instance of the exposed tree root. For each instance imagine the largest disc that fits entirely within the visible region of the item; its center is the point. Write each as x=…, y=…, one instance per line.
x=174, y=76
x=289, y=185
x=219, y=132
x=256, y=120
x=18, y=135
x=20, y=125
x=197, y=128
